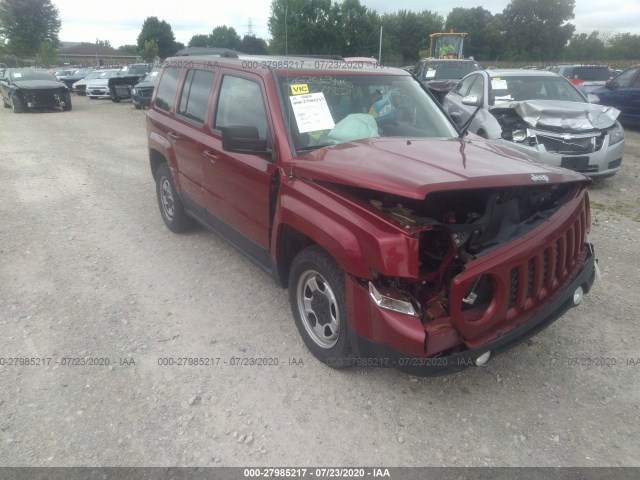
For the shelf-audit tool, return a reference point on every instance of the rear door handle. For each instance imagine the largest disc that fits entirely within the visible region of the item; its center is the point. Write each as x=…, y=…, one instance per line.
x=173, y=136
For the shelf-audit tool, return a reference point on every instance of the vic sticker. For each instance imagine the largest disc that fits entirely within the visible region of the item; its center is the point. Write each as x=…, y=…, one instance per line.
x=299, y=89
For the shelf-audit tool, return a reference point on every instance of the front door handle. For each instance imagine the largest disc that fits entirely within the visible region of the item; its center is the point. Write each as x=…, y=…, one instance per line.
x=210, y=155
x=173, y=136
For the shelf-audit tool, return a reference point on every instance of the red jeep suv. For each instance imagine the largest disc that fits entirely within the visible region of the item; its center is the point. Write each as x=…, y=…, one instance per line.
x=402, y=241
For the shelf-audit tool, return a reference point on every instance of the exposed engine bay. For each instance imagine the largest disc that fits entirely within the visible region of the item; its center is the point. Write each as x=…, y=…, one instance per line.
x=460, y=226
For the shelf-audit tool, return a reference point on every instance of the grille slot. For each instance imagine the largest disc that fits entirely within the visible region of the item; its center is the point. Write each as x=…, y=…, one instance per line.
x=581, y=145
x=540, y=274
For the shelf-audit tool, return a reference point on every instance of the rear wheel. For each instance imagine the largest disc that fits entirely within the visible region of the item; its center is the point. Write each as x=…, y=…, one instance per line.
x=316, y=295
x=171, y=208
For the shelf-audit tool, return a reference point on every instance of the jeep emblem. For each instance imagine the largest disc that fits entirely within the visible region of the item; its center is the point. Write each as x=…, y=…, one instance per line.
x=539, y=178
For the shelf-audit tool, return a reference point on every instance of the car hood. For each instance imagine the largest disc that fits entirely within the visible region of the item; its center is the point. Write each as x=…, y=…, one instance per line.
x=37, y=84
x=100, y=82
x=146, y=85
x=442, y=85
x=414, y=168
x=562, y=116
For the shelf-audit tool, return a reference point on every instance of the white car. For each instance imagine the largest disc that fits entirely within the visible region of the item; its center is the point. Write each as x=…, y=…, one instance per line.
x=541, y=114
x=99, y=87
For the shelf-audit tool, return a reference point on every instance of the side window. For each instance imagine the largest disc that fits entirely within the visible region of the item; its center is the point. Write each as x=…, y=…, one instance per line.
x=464, y=85
x=167, y=88
x=478, y=87
x=240, y=102
x=625, y=78
x=195, y=95
x=636, y=83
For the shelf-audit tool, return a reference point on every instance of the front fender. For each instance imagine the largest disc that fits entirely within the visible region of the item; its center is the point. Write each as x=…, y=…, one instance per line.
x=359, y=240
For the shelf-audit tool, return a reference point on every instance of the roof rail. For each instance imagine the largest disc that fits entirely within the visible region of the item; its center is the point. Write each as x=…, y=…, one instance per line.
x=218, y=52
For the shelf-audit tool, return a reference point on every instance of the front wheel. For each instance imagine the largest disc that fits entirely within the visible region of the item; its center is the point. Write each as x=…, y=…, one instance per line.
x=316, y=295
x=171, y=208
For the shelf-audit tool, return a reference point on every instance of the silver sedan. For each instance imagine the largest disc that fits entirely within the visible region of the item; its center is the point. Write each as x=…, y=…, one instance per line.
x=541, y=114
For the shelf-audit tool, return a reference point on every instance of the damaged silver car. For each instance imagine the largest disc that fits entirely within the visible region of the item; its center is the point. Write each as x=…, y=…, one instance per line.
x=541, y=114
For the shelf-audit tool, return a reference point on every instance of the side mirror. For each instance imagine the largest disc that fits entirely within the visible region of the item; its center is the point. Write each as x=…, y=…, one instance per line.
x=611, y=85
x=456, y=116
x=242, y=139
x=472, y=101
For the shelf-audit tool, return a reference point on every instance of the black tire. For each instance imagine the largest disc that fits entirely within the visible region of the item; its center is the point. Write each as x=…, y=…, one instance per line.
x=66, y=108
x=138, y=107
x=116, y=99
x=16, y=104
x=171, y=208
x=316, y=295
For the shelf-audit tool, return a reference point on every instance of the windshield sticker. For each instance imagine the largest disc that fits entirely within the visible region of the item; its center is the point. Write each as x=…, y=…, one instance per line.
x=299, y=89
x=430, y=73
x=498, y=84
x=506, y=98
x=311, y=112
x=17, y=75
x=335, y=86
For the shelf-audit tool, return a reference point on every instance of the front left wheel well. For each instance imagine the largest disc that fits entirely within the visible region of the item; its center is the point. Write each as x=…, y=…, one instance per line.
x=290, y=243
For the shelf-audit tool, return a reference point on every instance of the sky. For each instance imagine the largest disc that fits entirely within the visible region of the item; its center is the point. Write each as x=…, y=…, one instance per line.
x=121, y=21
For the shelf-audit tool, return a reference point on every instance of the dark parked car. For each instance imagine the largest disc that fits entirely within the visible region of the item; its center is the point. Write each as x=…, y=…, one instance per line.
x=27, y=88
x=586, y=77
x=623, y=93
x=142, y=92
x=76, y=76
x=402, y=242
x=440, y=75
x=121, y=85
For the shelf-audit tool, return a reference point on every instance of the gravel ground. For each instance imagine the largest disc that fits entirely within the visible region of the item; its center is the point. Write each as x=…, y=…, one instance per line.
x=88, y=269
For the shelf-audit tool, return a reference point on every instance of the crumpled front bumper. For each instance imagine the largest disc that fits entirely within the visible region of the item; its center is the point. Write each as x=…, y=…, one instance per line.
x=373, y=353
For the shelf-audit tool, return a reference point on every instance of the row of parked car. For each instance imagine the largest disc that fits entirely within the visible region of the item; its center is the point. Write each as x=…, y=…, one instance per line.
x=28, y=88
x=538, y=112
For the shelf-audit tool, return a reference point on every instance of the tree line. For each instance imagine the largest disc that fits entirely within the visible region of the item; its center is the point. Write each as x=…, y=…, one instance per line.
x=525, y=31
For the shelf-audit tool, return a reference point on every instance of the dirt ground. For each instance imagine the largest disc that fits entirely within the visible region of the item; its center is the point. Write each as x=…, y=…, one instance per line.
x=88, y=270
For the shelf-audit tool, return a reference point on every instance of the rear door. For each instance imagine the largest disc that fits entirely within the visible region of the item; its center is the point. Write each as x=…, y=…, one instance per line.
x=188, y=133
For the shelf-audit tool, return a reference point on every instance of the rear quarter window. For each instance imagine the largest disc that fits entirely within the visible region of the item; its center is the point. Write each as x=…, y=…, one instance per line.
x=167, y=88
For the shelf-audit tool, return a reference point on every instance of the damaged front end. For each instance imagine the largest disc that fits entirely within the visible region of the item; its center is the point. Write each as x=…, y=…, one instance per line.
x=44, y=98
x=489, y=260
x=581, y=137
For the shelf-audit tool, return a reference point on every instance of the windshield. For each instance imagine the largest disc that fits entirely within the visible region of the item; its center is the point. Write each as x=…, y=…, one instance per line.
x=449, y=70
x=133, y=70
x=152, y=76
x=33, y=75
x=507, y=89
x=329, y=110
x=591, y=73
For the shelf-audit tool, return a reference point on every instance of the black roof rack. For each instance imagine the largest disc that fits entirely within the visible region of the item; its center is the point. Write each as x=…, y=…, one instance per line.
x=219, y=52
